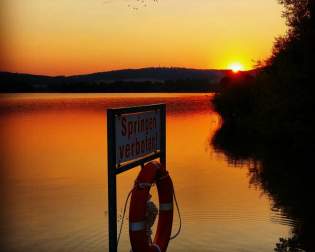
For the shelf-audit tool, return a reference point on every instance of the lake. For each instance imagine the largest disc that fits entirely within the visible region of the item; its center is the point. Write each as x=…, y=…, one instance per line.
x=54, y=177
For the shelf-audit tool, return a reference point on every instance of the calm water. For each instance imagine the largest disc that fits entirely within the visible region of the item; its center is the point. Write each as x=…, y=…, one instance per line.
x=54, y=177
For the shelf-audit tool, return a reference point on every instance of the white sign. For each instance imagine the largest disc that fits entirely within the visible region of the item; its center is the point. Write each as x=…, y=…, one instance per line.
x=137, y=135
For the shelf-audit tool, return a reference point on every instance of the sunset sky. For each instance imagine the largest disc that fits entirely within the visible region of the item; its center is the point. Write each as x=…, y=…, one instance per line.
x=64, y=37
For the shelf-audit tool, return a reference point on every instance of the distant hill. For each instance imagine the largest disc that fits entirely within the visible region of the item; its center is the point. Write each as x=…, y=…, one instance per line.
x=128, y=80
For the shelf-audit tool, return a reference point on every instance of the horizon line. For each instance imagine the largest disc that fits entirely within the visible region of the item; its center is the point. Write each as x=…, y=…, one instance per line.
x=122, y=69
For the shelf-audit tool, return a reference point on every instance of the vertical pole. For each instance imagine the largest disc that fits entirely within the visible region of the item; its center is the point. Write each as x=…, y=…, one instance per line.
x=163, y=134
x=112, y=197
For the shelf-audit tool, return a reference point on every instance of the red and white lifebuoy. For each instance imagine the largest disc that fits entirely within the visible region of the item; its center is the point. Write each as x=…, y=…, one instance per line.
x=152, y=172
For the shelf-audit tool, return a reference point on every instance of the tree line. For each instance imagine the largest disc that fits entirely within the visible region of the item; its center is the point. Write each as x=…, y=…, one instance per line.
x=269, y=120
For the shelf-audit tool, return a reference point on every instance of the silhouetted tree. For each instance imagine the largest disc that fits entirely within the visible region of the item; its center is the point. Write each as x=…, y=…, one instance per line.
x=297, y=13
x=297, y=46
x=270, y=120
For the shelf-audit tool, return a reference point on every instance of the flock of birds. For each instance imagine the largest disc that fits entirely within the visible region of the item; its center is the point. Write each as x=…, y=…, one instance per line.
x=134, y=4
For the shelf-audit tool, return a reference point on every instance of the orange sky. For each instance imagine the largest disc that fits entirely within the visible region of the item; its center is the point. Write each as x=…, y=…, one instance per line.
x=63, y=37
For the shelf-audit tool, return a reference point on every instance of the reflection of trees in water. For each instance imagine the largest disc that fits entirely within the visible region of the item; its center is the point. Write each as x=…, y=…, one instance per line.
x=283, y=172
x=269, y=119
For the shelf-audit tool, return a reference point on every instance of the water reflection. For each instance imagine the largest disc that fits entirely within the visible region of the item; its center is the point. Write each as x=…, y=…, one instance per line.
x=282, y=171
x=54, y=177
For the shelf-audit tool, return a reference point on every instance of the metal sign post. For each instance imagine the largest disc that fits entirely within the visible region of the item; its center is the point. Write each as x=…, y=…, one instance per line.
x=135, y=135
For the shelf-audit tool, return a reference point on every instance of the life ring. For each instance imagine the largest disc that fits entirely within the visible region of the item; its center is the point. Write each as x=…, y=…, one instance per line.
x=150, y=173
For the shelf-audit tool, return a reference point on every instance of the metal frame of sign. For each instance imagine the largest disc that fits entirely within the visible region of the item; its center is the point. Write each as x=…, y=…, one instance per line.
x=114, y=170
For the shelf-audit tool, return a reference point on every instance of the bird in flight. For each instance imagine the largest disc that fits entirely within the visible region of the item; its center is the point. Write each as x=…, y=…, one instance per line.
x=134, y=4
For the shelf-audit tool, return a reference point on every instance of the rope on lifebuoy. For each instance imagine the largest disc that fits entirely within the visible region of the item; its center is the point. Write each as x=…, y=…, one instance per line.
x=124, y=213
x=140, y=185
x=162, y=207
x=166, y=207
x=180, y=218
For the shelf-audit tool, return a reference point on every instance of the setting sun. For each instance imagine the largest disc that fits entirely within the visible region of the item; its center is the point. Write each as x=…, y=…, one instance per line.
x=34, y=41
x=236, y=67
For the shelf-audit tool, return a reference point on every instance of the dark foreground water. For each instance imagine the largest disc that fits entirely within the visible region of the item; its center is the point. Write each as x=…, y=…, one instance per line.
x=54, y=177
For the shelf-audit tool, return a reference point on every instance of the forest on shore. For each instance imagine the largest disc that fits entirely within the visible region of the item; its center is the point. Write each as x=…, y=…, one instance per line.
x=151, y=79
x=268, y=119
